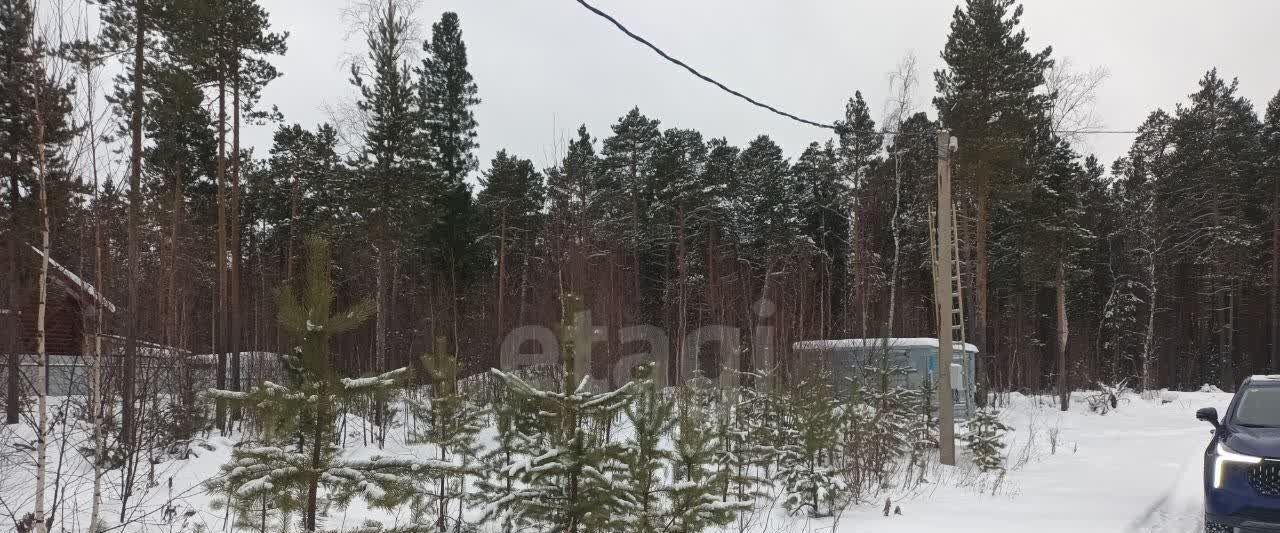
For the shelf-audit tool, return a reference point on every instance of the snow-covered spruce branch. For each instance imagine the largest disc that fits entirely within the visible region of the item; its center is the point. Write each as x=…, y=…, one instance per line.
x=386, y=379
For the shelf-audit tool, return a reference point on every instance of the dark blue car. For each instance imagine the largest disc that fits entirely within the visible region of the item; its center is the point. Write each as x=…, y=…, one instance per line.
x=1242, y=462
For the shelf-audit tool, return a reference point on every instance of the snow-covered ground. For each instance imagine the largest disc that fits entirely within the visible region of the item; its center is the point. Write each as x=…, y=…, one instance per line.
x=1134, y=469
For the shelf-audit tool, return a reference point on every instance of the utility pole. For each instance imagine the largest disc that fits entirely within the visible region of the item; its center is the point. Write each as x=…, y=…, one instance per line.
x=942, y=296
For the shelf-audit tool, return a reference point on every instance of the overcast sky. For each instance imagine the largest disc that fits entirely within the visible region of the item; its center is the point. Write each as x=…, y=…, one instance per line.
x=545, y=66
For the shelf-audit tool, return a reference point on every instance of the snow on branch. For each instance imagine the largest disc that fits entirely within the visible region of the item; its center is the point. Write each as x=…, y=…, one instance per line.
x=387, y=379
x=410, y=463
x=219, y=394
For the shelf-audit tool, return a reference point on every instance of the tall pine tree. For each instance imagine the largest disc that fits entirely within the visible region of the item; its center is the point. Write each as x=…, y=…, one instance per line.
x=859, y=144
x=447, y=96
x=1218, y=161
x=1271, y=162
x=988, y=97
x=510, y=203
x=390, y=198
x=825, y=200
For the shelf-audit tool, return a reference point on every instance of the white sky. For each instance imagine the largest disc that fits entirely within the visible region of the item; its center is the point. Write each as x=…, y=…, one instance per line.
x=545, y=66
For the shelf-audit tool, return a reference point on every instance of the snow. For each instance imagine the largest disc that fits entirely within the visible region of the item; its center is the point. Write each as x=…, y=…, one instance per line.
x=78, y=283
x=253, y=486
x=1136, y=468
x=1260, y=377
x=385, y=379
x=900, y=342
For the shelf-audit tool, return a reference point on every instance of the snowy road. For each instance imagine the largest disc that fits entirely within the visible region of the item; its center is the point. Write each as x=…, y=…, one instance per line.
x=1134, y=470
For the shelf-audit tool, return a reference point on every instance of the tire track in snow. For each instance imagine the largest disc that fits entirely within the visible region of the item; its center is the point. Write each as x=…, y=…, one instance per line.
x=1180, y=508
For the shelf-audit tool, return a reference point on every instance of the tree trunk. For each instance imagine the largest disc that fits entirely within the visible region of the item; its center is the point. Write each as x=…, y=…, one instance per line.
x=220, y=258
x=1148, y=338
x=95, y=391
x=295, y=198
x=682, y=315
x=135, y=200
x=443, y=510
x=42, y=358
x=13, y=319
x=1064, y=394
x=237, y=314
x=980, y=286
x=171, y=296
x=502, y=274
x=318, y=442
x=1275, y=277
x=380, y=301
x=1226, y=336
x=897, y=248
x=860, y=250
x=454, y=298
x=381, y=316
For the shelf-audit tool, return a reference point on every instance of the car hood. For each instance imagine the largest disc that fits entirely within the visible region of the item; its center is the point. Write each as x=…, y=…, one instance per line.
x=1259, y=442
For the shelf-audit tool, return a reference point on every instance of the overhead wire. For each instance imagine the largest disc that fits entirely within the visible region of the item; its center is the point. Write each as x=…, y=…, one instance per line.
x=700, y=75
x=838, y=128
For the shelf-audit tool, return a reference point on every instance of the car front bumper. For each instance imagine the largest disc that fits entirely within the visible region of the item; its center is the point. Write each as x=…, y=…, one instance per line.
x=1237, y=506
x=1247, y=521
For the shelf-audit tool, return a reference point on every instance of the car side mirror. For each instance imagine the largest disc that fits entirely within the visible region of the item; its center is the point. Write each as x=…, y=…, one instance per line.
x=1210, y=415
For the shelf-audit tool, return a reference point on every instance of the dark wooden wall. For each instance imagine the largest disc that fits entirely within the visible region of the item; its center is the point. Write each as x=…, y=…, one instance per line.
x=64, y=325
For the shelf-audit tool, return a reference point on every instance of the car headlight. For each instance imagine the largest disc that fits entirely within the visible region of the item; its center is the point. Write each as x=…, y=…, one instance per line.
x=1224, y=456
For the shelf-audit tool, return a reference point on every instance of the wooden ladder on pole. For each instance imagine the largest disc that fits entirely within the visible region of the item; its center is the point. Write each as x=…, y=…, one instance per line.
x=965, y=404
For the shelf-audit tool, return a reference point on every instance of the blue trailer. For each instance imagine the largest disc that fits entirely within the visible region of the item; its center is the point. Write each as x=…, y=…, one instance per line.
x=847, y=359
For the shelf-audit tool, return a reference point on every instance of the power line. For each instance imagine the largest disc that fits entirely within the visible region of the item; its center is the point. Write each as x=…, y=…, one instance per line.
x=700, y=75
x=757, y=103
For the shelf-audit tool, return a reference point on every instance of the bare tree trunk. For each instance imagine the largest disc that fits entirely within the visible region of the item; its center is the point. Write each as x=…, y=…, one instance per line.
x=295, y=198
x=380, y=301
x=237, y=314
x=682, y=315
x=523, y=316
x=1275, y=277
x=1148, y=338
x=95, y=392
x=454, y=297
x=897, y=247
x=129, y=422
x=1227, y=336
x=980, y=285
x=860, y=251
x=500, y=317
x=171, y=290
x=906, y=81
x=220, y=258
x=318, y=442
x=42, y=358
x=1061, y=284
x=14, y=318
